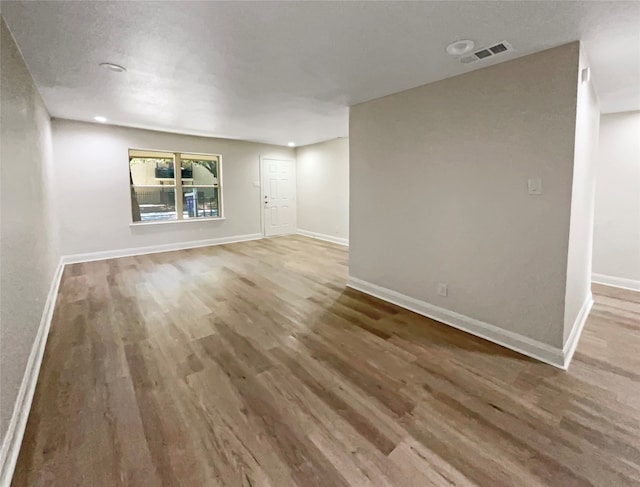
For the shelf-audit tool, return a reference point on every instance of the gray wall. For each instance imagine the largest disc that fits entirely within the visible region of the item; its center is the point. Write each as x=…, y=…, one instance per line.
x=323, y=188
x=28, y=253
x=616, y=246
x=439, y=191
x=92, y=186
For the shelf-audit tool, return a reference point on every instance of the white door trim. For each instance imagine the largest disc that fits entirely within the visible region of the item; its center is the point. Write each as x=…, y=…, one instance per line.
x=263, y=221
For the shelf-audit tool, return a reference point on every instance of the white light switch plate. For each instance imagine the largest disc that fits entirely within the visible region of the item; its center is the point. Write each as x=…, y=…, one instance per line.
x=534, y=185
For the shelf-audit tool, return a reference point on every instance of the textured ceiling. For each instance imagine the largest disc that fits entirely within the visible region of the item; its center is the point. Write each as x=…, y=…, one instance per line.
x=287, y=71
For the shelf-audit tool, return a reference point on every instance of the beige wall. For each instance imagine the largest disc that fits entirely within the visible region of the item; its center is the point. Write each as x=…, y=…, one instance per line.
x=580, y=248
x=28, y=253
x=439, y=192
x=92, y=187
x=323, y=188
x=616, y=247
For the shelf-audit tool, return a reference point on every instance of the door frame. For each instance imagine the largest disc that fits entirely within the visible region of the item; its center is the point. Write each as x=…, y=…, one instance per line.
x=263, y=220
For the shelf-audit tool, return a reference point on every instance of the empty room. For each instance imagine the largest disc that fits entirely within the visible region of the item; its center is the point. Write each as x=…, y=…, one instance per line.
x=319, y=243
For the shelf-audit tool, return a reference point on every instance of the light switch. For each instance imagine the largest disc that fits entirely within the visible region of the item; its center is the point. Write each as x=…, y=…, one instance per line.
x=535, y=185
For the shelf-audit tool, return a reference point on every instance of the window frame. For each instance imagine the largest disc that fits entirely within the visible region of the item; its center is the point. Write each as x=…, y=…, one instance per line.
x=177, y=186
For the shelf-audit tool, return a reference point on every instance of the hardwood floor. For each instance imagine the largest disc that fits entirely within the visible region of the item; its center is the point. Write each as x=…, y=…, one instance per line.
x=251, y=364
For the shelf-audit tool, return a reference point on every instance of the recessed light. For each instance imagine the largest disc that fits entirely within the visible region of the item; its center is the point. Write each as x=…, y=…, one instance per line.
x=116, y=68
x=100, y=119
x=291, y=144
x=460, y=47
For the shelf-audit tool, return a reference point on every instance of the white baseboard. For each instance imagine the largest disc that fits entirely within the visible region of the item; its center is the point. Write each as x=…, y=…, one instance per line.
x=514, y=341
x=18, y=422
x=576, y=330
x=622, y=282
x=153, y=249
x=322, y=236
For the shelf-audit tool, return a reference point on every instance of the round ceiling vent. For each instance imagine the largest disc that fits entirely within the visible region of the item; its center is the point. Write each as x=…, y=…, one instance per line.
x=460, y=47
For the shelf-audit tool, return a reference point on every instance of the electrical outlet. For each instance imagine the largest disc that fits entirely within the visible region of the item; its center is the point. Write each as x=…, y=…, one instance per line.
x=442, y=289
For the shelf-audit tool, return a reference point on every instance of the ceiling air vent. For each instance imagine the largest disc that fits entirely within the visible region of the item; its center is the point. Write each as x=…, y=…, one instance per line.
x=485, y=53
x=498, y=48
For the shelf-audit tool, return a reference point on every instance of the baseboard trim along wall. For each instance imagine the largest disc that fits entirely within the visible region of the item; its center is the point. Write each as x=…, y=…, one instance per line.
x=154, y=249
x=576, y=330
x=527, y=346
x=622, y=282
x=18, y=423
x=322, y=236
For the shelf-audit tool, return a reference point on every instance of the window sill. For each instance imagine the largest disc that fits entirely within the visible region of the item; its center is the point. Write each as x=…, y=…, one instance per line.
x=173, y=222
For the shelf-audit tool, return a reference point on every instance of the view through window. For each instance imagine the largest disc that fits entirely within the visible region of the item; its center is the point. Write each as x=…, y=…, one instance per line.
x=160, y=193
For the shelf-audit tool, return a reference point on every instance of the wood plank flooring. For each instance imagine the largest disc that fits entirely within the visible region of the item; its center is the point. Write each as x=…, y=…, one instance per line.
x=251, y=364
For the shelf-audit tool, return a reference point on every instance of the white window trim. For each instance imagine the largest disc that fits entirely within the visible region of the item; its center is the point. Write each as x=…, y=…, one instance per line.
x=188, y=220
x=177, y=171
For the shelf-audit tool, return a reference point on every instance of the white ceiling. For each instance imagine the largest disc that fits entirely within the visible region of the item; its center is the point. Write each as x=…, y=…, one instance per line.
x=287, y=71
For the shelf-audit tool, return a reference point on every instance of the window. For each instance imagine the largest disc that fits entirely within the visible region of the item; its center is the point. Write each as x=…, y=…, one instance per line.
x=160, y=193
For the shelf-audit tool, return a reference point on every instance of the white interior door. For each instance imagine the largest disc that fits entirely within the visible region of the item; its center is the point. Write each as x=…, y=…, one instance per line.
x=278, y=196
